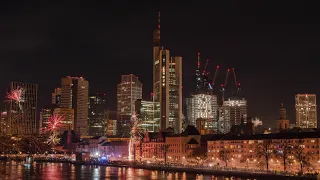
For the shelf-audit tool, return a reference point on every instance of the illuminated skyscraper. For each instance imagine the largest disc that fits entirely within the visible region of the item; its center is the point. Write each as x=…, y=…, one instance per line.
x=56, y=96
x=96, y=116
x=45, y=113
x=231, y=113
x=306, y=111
x=149, y=113
x=74, y=94
x=22, y=121
x=203, y=106
x=167, y=84
x=128, y=91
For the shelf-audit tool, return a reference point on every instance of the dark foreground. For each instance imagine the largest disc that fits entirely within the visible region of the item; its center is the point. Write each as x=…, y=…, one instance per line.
x=50, y=170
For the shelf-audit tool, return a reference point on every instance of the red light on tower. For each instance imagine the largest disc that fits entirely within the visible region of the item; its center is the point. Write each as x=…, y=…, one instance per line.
x=228, y=70
x=238, y=84
x=218, y=66
x=221, y=85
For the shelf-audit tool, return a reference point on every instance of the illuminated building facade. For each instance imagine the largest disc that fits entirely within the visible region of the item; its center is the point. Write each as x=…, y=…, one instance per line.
x=204, y=106
x=56, y=96
x=231, y=113
x=149, y=113
x=45, y=113
x=96, y=116
x=167, y=84
x=68, y=122
x=128, y=91
x=23, y=121
x=306, y=111
x=111, y=123
x=74, y=94
x=3, y=122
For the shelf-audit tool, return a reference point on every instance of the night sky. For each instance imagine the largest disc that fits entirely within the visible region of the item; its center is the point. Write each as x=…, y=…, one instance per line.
x=273, y=47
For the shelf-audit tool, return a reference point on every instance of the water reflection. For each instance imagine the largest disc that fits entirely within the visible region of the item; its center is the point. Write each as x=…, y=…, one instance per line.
x=56, y=171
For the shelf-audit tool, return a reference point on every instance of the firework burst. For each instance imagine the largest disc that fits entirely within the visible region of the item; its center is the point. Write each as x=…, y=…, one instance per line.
x=17, y=96
x=54, y=122
x=53, y=139
x=136, y=134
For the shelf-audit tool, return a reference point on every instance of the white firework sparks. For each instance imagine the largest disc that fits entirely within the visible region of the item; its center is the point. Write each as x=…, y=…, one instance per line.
x=136, y=135
x=53, y=139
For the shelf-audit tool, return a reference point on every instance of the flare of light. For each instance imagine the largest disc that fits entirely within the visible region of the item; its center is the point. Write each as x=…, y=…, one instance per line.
x=53, y=139
x=16, y=96
x=135, y=135
x=54, y=122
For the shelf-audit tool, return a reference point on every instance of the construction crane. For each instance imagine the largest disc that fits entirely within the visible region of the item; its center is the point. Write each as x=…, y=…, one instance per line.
x=223, y=86
x=215, y=76
x=205, y=67
x=235, y=81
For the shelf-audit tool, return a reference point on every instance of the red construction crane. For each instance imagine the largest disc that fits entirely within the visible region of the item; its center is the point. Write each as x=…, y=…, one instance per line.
x=223, y=86
x=235, y=80
x=205, y=66
x=215, y=76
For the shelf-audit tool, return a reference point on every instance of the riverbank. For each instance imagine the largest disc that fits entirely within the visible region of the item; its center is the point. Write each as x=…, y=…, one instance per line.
x=209, y=171
x=228, y=172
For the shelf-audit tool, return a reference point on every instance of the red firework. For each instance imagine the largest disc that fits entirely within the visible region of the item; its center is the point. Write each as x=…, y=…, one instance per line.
x=16, y=95
x=54, y=122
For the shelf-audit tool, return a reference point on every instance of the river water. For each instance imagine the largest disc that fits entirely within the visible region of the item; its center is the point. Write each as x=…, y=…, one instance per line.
x=55, y=171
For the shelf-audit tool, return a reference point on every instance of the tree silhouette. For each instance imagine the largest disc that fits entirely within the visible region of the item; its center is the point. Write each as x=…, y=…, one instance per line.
x=263, y=150
x=284, y=149
x=301, y=156
x=225, y=155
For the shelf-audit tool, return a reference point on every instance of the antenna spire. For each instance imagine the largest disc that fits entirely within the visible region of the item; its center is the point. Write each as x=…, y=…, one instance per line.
x=158, y=20
x=198, y=60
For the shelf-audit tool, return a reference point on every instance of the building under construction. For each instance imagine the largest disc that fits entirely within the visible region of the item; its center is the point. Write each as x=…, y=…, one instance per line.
x=209, y=102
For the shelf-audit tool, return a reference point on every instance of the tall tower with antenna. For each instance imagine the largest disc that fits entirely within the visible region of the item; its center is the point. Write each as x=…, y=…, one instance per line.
x=167, y=84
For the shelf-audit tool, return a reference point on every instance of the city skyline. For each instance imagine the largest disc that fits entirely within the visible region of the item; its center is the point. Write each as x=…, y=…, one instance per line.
x=228, y=41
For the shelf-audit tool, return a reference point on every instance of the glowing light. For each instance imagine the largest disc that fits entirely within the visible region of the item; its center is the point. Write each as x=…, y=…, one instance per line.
x=136, y=135
x=16, y=96
x=54, y=122
x=53, y=139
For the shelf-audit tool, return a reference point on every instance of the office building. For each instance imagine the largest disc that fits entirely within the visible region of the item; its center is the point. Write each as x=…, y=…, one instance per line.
x=167, y=84
x=128, y=91
x=56, y=96
x=96, y=115
x=231, y=113
x=112, y=124
x=45, y=114
x=148, y=113
x=68, y=115
x=22, y=119
x=203, y=106
x=74, y=94
x=306, y=111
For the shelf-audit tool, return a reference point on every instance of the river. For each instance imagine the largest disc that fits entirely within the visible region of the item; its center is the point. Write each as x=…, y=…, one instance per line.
x=55, y=171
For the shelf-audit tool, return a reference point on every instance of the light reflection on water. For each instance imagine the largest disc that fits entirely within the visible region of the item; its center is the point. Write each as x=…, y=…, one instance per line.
x=56, y=171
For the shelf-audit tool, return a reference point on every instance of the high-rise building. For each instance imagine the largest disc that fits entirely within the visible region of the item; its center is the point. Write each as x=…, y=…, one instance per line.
x=22, y=119
x=232, y=111
x=112, y=124
x=56, y=96
x=96, y=115
x=74, y=94
x=68, y=121
x=148, y=113
x=167, y=84
x=45, y=114
x=128, y=91
x=203, y=106
x=306, y=111
x=3, y=123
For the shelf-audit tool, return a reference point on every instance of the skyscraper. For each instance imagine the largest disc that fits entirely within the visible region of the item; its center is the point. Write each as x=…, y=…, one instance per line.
x=128, y=91
x=231, y=113
x=74, y=94
x=167, y=84
x=22, y=118
x=56, y=96
x=306, y=110
x=96, y=115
